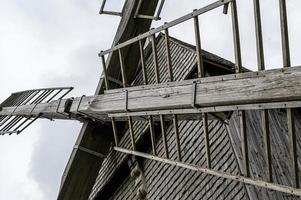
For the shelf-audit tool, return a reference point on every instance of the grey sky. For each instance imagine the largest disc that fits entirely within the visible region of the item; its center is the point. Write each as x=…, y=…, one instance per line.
x=55, y=43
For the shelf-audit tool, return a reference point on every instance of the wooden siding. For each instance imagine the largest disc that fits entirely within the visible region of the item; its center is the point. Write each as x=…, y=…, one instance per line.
x=280, y=150
x=170, y=182
x=185, y=184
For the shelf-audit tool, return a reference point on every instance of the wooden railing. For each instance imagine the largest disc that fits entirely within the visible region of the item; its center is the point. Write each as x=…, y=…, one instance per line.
x=241, y=108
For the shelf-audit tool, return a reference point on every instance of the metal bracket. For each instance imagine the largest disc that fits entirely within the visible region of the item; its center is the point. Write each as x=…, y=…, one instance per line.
x=126, y=100
x=194, y=90
x=89, y=151
x=85, y=114
x=226, y=8
x=57, y=109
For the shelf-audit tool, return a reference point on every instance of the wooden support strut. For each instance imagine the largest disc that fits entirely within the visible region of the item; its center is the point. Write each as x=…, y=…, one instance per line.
x=290, y=115
x=157, y=73
x=200, y=64
x=238, y=68
x=142, y=59
x=105, y=72
x=206, y=139
x=264, y=113
x=242, y=179
x=152, y=134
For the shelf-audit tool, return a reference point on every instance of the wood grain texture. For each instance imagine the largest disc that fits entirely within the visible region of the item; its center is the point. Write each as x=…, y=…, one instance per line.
x=184, y=184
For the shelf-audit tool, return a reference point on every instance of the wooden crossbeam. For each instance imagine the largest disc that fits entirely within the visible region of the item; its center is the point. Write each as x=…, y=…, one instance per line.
x=255, y=90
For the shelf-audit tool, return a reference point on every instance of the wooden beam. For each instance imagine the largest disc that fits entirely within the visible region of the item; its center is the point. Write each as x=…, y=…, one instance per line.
x=247, y=91
x=242, y=179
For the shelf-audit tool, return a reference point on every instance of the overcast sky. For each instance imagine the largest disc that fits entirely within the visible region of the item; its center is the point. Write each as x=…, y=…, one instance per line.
x=55, y=43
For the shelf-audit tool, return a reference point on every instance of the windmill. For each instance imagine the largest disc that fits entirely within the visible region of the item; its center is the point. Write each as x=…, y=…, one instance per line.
x=159, y=94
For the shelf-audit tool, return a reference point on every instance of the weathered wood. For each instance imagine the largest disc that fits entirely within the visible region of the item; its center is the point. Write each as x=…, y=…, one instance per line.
x=244, y=143
x=259, y=40
x=229, y=92
x=206, y=138
x=152, y=134
x=143, y=62
x=132, y=134
x=245, y=180
x=163, y=133
x=293, y=147
x=269, y=86
x=122, y=69
x=82, y=169
x=115, y=131
x=236, y=37
x=155, y=58
x=197, y=36
x=180, y=20
x=267, y=143
x=104, y=69
x=176, y=130
x=168, y=56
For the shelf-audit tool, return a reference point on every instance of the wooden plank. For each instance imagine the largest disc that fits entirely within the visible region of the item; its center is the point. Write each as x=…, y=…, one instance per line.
x=176, y=130
x=293, y=147
x=267, y=143
x=242, y=179
x=143, y=62
x=104, y=69
x=244, y=143
x=267, y=87
x=257, y=90
x=155, y=58
x=290, y=112
x=152, y=134
x=163, y=132
x=115, y=131
x=132, y=134
x=206, y=138
x=168, y=25
x=168, y=56
x=197, y=36
x=122, y=69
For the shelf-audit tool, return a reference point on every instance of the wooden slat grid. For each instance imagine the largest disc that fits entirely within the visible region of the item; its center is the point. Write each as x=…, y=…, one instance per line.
x=186, y=183
x=190, y=61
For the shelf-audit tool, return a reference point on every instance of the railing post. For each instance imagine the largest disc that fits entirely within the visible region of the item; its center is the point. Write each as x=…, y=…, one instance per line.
x=105, y=72
x=132, y=135
x=152, y=134
x=155, y=58
x=199, y=57
x=123, y=73
x=144, y=72
x=238, y=69
x=206, y=138
x=290, y=111
x=264, y=113
x=236, y=37
x=115, y=131
x=168, y=57
x=164, y=139
x=177, y=135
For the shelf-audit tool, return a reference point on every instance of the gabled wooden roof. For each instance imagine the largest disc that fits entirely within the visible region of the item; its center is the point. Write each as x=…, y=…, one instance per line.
x=114, y=168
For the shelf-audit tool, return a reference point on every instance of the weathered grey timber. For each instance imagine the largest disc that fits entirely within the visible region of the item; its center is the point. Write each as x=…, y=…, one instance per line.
x=279, y=146
x=249, y=88
x=82, y=168
x=127, y=188
x=184, y=184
